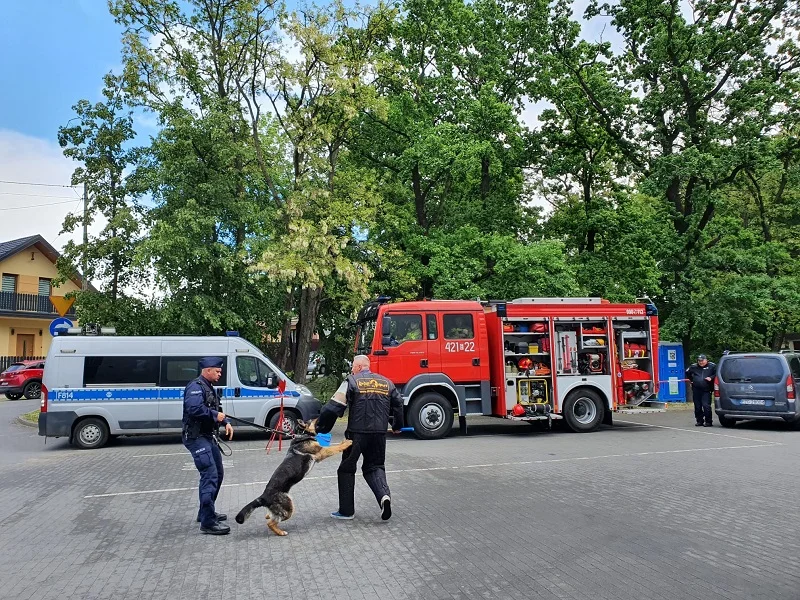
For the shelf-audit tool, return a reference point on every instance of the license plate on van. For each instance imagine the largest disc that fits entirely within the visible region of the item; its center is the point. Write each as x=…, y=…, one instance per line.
x=754, y=401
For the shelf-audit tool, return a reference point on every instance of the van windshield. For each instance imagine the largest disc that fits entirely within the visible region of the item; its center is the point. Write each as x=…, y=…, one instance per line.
x=752, y=369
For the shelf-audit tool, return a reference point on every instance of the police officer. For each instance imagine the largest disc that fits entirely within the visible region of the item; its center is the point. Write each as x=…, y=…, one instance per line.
x=701, y=378
x=202, y=415
x=371, y=398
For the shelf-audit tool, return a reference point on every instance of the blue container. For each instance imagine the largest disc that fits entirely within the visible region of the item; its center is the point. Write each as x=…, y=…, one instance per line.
x=324, y=439
x=671, y=372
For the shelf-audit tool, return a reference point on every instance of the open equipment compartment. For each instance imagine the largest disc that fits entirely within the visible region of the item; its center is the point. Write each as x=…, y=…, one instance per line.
x=528, y=367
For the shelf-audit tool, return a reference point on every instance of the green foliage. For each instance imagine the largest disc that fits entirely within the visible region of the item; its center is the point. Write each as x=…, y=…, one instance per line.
x=100, y=140
x=309, y=159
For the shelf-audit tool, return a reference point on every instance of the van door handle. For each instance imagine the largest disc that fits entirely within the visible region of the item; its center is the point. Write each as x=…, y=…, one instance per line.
x=476, y=362
x=424, y=363
x=237, y=392
x=381, y=352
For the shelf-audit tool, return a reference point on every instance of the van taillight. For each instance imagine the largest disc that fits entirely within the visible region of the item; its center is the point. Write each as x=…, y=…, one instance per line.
x=790, y=388
x=43, y=403
x=716, y=387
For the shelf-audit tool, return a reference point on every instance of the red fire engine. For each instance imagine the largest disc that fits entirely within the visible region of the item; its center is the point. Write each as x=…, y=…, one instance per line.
x=529, y=359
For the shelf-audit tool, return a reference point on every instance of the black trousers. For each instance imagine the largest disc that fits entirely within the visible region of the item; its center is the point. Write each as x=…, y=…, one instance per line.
x=702, y=406
x=373, y=447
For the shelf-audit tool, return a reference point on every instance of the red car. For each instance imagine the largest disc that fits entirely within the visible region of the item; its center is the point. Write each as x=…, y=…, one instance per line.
x=22, y=379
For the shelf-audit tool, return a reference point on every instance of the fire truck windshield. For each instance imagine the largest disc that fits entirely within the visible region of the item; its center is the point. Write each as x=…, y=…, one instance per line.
x=364, y=334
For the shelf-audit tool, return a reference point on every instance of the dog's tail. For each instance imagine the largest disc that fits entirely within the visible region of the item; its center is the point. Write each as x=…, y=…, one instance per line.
x=248, y=510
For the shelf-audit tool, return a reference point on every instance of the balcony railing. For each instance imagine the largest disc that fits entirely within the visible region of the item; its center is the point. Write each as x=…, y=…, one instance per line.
x=32, y=303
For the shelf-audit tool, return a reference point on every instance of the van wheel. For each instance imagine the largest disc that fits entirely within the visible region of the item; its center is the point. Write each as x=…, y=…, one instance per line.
x=431, y=416
x=289, y=425
x=90, y=434
x=13, y=396
x=583, y=411
x=726, y=421
x=32, y=390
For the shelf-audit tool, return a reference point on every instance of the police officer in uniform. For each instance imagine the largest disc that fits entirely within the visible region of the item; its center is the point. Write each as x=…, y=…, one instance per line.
x=202, y=415
x=372, y=399
x=701, y=378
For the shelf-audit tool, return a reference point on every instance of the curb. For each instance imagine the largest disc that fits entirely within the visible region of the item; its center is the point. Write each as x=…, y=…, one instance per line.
x=22, y=421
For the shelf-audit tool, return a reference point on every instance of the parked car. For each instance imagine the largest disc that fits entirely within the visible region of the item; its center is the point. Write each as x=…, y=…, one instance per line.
x=760, y=385
x=316, y=365
x=22, y=378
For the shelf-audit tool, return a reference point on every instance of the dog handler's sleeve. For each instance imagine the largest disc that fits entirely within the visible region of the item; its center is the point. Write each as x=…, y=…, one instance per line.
x=396, y=409
x=332, y=410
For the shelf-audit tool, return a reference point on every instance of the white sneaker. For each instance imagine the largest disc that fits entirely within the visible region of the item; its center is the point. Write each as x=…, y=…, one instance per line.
x=386, y=505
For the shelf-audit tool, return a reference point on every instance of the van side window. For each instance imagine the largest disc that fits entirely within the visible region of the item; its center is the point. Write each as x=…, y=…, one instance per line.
x=120, y=370
x=254, y=373
x=458, y=327
x=177, y=371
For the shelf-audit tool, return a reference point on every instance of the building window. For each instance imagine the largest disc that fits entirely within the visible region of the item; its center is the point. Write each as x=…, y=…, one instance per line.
x=9, y=283
x=44, y=287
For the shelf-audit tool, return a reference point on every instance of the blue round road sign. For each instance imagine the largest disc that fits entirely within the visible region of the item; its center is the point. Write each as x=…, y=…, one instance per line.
x=59, y=323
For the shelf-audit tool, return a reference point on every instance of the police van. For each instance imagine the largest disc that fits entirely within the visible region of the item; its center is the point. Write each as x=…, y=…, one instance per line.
x=98, y=386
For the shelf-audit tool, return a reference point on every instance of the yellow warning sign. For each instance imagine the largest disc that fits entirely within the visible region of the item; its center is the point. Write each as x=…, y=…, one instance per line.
x=61, y=304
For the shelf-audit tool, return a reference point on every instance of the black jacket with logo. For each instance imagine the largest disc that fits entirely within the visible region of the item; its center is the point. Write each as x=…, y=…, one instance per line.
x=372, y=398
x=697, y=376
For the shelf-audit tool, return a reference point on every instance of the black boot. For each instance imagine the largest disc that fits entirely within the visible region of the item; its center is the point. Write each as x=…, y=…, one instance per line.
x=216, y=529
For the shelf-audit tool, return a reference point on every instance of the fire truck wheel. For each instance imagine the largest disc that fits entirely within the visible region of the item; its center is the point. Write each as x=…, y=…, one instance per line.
x=431, y=416
x=583, y=411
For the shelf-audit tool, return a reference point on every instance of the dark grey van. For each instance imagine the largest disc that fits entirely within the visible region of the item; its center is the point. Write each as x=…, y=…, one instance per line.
x=759, y=385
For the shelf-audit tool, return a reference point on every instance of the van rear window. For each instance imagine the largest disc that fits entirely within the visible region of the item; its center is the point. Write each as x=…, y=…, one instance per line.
x=120, y=370
x=752, y=369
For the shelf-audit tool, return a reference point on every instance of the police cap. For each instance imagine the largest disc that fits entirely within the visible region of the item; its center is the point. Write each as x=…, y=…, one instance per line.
x=211, y=362
x=702, y=357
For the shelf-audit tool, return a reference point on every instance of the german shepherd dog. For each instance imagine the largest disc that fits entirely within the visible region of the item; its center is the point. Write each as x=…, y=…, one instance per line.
x=304, y=452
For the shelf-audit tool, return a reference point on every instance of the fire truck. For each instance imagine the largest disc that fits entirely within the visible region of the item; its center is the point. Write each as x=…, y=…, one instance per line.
x=529, y=359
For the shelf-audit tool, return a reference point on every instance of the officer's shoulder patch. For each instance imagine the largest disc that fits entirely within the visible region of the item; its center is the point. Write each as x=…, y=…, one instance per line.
x=193, y=392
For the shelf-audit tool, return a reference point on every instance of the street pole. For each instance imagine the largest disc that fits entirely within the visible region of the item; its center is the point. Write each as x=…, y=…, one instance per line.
x=84, y=282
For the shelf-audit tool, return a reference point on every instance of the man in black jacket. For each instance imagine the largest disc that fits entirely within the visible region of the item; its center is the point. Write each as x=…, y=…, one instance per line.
x=701, y=378
x=372, y=399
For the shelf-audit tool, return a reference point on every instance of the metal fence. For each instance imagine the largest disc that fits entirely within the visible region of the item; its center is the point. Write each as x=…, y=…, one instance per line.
x=7, y=361
x=11, y=301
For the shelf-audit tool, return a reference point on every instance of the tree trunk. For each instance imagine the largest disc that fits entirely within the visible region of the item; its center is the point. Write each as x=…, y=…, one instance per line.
x=419, y=197
x=591, y=232
x=285, y=346
x=310, y=299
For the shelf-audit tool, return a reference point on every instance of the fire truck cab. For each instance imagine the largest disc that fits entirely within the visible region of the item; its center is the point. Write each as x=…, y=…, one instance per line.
x=529, y=359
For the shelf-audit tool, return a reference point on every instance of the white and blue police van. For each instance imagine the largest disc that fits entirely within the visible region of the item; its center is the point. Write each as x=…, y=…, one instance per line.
x=98, y=386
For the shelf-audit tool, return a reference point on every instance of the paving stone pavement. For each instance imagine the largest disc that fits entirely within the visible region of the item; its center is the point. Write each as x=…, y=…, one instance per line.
x=651, y=508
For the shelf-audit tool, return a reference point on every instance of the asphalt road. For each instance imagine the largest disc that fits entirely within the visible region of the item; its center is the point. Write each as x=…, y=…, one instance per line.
x=651, y=508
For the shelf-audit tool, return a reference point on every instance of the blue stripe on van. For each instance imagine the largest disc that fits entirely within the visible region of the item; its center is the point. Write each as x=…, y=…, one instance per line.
x=71, y=395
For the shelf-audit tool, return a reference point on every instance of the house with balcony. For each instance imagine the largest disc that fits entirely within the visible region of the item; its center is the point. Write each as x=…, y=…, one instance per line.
x=27, y=271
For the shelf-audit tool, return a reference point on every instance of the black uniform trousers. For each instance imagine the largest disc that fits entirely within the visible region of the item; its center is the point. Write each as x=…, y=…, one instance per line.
x=373, y=447
x=208, y=461
x=702, y=405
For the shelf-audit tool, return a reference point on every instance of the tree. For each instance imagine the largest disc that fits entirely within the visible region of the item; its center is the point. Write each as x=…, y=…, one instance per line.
x=316, y=99
x=100, y=140
x=685, y=102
